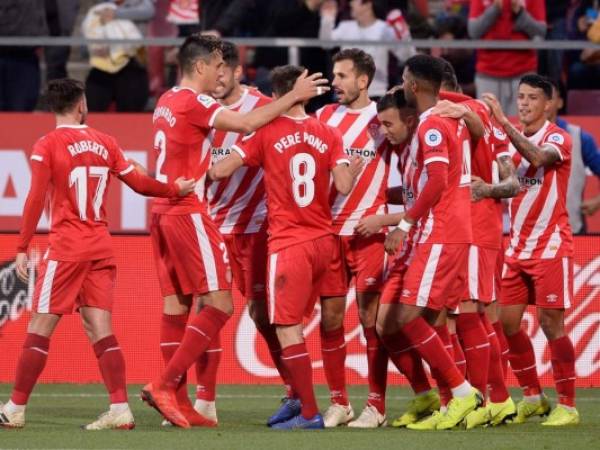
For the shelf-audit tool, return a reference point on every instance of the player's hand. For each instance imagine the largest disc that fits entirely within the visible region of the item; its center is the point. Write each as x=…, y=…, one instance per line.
x=479, y=189
x=309, y=86
x=21, y=267
x=590, y=206
x=492, y=102
x=138, y=167
x=446, y=108
x=394, y=240
x=329, y=9
x=368, y=226
x=356, y=166
x=185, y=186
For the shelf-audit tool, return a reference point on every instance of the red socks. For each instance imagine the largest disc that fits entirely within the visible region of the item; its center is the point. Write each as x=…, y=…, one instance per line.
x=377, y=361
x=459, y=355
x=408, y=361
x=207, y=367
x=443, y=388
x=431, y=348
x=199, y=333
x=172, y=329
x=112, y=368
x=30, y=366
x=522, y=362
x=563, y=369
x=476, y=346
x=297, y=361
x=333, y=349
x=496, y=383
x=503, y=346
x=269, y=334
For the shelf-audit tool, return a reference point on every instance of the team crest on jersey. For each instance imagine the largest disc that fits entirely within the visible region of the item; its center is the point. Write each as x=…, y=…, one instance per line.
x=373, y=130
x=433, y=137
x=556, y=138
x=501, y=135
x=205, y=100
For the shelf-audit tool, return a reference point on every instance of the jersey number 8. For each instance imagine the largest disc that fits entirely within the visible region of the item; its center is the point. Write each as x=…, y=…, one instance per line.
x=303, y=172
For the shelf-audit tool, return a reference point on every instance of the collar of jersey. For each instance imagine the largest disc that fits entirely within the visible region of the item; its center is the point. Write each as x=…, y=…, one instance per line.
x=182, y=88
x=295, y=118
x=425, y=114
x=239, y=102
x=361, y=110
x=537, y=136
x=72, y=126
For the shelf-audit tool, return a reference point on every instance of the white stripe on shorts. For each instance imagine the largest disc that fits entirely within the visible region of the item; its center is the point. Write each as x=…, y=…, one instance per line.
x=46, y=293
x=566, y=292
x=272, y=275
x=428, y=275
x=208, y=257
x=473, y=272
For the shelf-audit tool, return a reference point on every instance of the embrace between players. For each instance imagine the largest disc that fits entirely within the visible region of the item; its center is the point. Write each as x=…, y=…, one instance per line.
x=295, y=208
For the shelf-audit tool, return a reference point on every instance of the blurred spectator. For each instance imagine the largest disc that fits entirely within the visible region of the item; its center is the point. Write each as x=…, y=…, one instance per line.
x=61, y=15
x=551, y=61
x=585, y=154
x=584, y=70
x=499, y=71
x=366, y=26
x=226, y=17
x=185, y=14
x=117, y=73
x=160, y=26
x=19, y=66
x=449, y=28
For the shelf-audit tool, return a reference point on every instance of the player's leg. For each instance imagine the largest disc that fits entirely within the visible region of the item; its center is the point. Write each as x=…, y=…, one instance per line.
x=517, y=290
x=333, y=340
x=445, y=327
x=29, y=367
x=368, y=263
x=449, y=319
x=553, y=283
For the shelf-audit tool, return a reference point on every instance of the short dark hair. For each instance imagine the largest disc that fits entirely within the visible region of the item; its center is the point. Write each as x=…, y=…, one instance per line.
x=427, y=68
x=558, y=86
x=197, y=46
x=63, y=94
x=283, y=78
x=449, y=76
x=231, y=55
x=394, y=99
x=363, y=62
x=538, y=81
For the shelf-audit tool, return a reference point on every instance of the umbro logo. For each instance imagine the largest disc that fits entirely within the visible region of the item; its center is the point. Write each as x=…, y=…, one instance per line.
x=552, y=298
x=370, y=281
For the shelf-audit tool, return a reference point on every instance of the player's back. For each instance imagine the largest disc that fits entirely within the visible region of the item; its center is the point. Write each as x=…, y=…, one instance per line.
x=181, y=123
x=80, y=160
x=297, y=156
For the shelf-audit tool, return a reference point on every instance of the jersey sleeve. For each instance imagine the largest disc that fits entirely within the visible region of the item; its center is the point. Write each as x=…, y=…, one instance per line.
x=203, y=110
x=41, y=153
x=499, y=140
x=433, y=142
x=560, y=141
x=250, y=148
x=119, y=166
x=337, y=155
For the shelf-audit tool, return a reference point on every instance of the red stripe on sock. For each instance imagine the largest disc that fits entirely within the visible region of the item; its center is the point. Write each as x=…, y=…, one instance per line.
x=522, y=361
x=563, y=369
x=476, y=347
x=503, y=346
x=296, y=359
x=333, y=349
x=498, y=391
x=112, y=367
x=31, y=364
x=207, y=367
x=377, y=361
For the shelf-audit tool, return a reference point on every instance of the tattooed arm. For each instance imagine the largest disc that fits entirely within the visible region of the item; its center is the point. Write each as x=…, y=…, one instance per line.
x=538, y=156
x=507, y=188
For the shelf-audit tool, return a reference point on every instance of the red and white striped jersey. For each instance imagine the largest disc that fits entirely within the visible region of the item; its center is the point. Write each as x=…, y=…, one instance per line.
x=439, y=139
x=539, y=222
x=237, y=204
x=361, y=133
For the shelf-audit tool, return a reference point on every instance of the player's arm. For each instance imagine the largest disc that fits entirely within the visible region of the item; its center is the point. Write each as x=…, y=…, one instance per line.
x=446, y=108
x=149, y=187
x=226, y=167
x=394, y=195
x=306, y=87
x=508, y=186
x=538, y=156
x=344, y=174
x=370, y=225
x=32, y=211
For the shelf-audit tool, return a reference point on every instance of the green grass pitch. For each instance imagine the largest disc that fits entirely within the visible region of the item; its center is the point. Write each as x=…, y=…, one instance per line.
x=55, y=413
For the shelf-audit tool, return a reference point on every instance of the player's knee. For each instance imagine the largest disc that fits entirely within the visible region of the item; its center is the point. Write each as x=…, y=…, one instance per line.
x=332, y=315
x=258, y=314
x=552, y=323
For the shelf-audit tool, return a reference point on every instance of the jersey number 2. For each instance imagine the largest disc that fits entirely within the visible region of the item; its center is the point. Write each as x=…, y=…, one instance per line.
x=303, y=185
x=160, y=143
x=79, y=178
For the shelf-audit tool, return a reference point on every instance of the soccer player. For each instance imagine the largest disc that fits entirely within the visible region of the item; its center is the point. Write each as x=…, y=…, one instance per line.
x=360, y=258
x=74, y=163
x=238, y=207
x=438, y=180
x=190, y=253
x=298, y=155
x=539, y=260
x=494, y=178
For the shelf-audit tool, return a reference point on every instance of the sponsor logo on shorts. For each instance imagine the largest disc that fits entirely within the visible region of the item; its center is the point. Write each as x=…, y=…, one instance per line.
x=551, y=298
x=405, y=293
x=370, y=281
